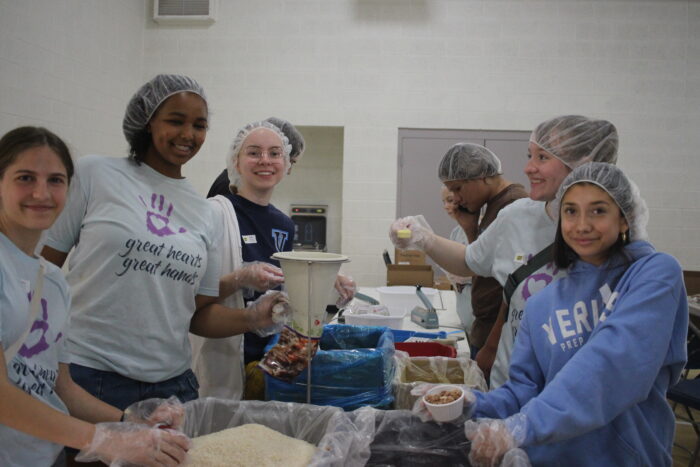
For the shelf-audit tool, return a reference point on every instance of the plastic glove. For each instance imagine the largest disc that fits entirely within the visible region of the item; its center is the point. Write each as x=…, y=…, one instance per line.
x=421, y=410
x=269, y=313
x=346, y=288
x=493, y=438
x=168, y=413
x=421, y=234
x=129, y=443
x=458, y=282
x=257, y=276
x=516, y=458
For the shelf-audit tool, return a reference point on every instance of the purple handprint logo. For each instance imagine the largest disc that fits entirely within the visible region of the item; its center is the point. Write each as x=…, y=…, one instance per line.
x=158, y=221
x=41, y=325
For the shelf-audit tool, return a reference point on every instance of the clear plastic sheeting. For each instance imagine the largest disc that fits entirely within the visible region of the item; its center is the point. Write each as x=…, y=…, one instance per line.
x=341, y=441
x=412, y=371
x=401, y=439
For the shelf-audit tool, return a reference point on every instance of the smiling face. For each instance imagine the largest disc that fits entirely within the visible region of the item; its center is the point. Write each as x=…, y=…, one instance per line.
x=591, y=222
x=178, y=129
x=33, y=192
x=545, y=172
x=261, y=162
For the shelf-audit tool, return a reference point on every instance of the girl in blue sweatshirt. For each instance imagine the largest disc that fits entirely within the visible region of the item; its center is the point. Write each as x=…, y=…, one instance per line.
x=598, y=349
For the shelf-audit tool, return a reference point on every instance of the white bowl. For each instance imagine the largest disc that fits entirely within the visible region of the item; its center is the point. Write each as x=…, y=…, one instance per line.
x=403, y=298
x=445, y=412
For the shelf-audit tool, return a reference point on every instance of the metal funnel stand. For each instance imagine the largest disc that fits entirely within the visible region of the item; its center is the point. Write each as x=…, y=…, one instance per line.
x=309, y=279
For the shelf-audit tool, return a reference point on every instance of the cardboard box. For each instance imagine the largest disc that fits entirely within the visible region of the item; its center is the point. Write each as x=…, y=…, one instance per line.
x=409, y=257
x=409, y=274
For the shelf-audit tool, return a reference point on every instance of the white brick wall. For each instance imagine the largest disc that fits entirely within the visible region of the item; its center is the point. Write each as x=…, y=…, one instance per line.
x=374, y=66
x=71, y=65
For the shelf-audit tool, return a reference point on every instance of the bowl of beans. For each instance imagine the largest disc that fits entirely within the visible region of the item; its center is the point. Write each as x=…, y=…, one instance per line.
x=444, y=402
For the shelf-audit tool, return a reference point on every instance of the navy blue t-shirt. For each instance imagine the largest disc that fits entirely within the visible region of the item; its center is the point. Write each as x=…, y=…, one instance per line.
x=265, y=230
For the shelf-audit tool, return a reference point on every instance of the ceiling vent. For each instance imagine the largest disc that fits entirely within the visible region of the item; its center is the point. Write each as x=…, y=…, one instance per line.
x=184, y=11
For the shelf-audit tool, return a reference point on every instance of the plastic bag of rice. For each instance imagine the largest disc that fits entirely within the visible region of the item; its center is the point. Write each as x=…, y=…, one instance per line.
x=249, y=445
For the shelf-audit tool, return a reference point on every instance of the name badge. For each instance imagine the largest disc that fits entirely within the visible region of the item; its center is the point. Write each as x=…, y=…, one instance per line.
x=249, y=239
x=519, y=258
x=26, y=285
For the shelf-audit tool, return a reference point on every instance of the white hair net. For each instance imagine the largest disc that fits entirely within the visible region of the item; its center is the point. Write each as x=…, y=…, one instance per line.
x=293, y=135
x=468, y=161
x=150, y=96
x=575, y=139
x=243, y=133
x=620, y=188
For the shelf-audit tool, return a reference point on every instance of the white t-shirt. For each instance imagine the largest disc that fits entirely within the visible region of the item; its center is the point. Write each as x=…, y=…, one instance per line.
x=521, y=230
x=145, y=246
x=34, y=369
x=463, y=298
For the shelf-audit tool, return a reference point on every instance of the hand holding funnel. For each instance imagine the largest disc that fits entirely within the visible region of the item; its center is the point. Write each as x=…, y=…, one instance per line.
x=309, y=278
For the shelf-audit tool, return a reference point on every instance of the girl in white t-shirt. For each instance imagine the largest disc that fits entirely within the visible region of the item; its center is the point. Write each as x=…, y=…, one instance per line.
x=145, y=265
x=37, y=393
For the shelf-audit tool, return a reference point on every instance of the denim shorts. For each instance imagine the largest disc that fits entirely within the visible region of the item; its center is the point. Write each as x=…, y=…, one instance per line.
x=121, y=392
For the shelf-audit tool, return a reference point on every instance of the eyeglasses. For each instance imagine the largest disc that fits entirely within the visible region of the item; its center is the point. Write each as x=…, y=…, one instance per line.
x=257, y=153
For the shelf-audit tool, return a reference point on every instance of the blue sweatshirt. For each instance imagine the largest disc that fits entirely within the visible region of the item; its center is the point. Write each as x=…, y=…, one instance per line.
x=595, y=355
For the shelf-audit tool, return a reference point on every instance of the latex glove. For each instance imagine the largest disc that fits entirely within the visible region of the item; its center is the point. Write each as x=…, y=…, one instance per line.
x=129, y=443
x=421, y=410
x=421, y=234
x=269, y=313
x=458, y=282
x=257, y=276
x=346, y=288
x=493, y=438
x=169, y=412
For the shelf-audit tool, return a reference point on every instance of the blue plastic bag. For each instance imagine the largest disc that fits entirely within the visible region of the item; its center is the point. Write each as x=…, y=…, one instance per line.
x=352, y=368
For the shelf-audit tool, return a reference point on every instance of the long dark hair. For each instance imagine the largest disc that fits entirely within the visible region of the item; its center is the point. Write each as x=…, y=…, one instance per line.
x=16, y=141
x=138, y=145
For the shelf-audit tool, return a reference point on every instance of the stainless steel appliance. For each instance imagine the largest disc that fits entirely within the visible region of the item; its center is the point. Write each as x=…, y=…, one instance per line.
x=309, y=226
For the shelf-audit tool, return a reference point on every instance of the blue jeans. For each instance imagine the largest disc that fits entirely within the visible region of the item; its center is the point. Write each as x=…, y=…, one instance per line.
x=121, y=391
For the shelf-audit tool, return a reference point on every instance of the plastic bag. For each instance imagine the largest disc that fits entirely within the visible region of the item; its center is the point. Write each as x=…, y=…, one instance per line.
x=340, y=441
x=412, y=371
x=401, y=439
x=353, y=367
x=289, y=356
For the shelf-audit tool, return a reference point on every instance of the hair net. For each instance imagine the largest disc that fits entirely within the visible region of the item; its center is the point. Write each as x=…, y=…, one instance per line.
x=240, y=138
x=575, y=140
x=293, y=135
x=150, y=96
x=468, y=161
x=620, y=188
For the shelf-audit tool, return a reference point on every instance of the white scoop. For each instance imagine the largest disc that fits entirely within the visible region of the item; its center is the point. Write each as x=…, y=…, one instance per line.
x=308, y=279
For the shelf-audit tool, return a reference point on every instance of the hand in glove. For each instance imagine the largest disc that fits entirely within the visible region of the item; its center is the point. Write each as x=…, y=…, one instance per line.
x=257, y=276
x=346, y=288
x=129, y=443
x=420, y=235
x=458, y=282
x=493, y=438
x=422, y=389
x=168, y=413
x=269, y=313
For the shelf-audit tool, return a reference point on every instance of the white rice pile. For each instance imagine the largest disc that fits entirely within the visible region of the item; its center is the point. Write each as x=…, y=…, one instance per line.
x=249, y=445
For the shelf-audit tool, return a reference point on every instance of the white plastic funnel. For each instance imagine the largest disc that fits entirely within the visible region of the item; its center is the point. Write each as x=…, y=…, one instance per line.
x=308, y=279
